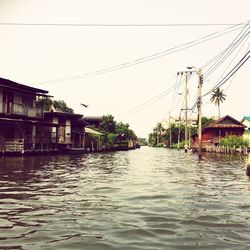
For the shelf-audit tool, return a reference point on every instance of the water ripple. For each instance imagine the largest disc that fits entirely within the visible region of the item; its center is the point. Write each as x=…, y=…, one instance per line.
x=142, y=199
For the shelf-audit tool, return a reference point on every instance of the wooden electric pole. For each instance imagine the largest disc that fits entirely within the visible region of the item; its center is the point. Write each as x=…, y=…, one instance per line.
x=187, y=73
x=186, y=107
x=199, y=104
x=179, y=132
x=170, y=130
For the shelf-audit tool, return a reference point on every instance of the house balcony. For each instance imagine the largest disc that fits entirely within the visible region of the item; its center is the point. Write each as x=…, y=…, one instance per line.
x=20, y=109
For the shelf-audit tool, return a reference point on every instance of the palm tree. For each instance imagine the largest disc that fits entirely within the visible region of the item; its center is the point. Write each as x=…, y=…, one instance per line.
x=218, y=97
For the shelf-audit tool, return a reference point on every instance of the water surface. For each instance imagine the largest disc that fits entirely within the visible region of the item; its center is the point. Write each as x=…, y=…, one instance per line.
x=152, y=198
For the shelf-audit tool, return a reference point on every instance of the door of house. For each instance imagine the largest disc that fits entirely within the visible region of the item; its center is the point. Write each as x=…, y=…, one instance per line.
x=8, y=102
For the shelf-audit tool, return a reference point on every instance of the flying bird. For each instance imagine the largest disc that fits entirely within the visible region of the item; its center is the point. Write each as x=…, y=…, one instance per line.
x=84, y=105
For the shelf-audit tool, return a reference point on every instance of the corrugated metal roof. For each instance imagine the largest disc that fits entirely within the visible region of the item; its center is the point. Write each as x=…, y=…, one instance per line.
x=92, y=131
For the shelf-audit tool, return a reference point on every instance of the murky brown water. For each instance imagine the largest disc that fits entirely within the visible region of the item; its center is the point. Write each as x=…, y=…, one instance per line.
x=142, y=199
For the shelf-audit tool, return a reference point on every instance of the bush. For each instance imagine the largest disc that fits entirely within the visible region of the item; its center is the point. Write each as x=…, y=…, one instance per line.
x=181, y=145
x=234, y=141
x=112, y=139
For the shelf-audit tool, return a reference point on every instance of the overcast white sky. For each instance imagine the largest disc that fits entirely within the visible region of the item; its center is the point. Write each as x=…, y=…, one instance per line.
x=34, y=54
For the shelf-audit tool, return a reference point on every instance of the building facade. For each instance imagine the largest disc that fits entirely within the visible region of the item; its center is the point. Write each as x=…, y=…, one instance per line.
x=214, y=132
x=246, y=121
x=22, y=127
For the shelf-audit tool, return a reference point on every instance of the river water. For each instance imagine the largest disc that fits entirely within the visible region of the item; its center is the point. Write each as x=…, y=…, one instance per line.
x=149, y=198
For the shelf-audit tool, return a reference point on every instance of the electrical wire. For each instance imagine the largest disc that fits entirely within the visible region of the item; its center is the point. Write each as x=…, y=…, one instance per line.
x=230, y=49
x=230, y=74
x=235, y=74
x=150, y=101
x=147, y=58
x=175, y=92
x=116, y=24
x=235, y=45
x=242, y=61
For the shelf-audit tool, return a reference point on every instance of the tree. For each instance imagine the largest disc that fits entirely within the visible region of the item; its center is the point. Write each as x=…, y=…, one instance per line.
x=44, y=103
x=59, y=105
x=205, y=121
x=108, y=124
x=218, y=97
x=124, y=132
x=153, y=138
x=116, y=132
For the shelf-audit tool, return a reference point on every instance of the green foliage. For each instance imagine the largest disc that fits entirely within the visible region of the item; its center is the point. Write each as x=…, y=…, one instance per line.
x=181, y=145
x=59, y=105
x=164, y=134
x=205, y=121
x=218, y=97
x=108, y=124
x=234, y=141
x=143, y=141
x=112, y=139
x=124, y=132
x=153, y=139
x=45, y=103
x=116, y=132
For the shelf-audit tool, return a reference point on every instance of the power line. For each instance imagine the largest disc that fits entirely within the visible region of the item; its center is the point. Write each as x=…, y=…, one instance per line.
x=175, y=92
x=242, y=61
x=146, y=58
x=117, y=24
x=230, y=49
x=235, y=74
x=230, y=74
x=151, y=100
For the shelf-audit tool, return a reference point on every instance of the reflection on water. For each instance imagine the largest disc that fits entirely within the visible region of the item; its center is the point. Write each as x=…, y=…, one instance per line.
x=142, y=199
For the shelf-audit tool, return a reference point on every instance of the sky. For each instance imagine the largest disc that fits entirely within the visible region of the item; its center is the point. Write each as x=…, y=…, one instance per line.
x=37, y=55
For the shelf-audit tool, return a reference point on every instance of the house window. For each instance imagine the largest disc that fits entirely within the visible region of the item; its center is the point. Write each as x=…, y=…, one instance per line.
x=28, y=100
x=8, y=101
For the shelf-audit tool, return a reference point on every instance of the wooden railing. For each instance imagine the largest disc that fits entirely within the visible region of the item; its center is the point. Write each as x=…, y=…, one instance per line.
x=14, y=145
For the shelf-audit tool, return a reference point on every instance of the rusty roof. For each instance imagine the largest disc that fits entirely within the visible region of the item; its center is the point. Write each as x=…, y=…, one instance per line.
x=225, y=122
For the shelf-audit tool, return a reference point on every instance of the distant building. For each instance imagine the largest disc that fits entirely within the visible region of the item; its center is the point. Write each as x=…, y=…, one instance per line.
x=217, y=130
x=93, y=120
x=68, y=131
x=191, y=122
x=246, y=121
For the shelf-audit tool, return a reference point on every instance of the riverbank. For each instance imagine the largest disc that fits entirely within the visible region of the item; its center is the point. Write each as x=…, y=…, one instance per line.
x=67, y=152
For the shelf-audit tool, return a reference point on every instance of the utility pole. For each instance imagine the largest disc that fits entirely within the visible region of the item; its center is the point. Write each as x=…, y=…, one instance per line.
x=170, y=131
x=186, y=107
x=189, y=133
x=179, y=132
x=187, y=73
x=199, y=104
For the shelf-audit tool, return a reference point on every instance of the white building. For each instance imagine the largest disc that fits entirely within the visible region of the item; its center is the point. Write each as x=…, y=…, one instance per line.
x=246, y=121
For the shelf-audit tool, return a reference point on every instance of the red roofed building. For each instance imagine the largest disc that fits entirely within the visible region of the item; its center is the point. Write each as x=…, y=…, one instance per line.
x=215, y=131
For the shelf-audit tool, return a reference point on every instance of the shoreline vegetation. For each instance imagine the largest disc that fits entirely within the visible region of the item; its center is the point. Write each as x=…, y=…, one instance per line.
x=169, y=137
